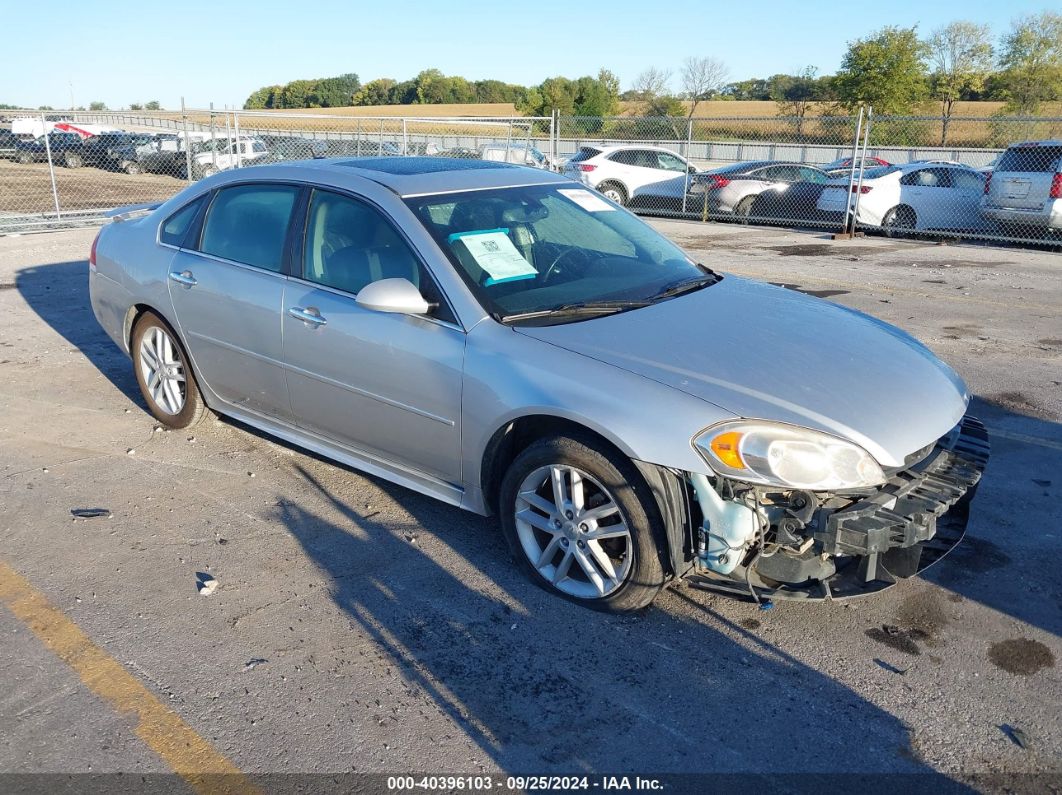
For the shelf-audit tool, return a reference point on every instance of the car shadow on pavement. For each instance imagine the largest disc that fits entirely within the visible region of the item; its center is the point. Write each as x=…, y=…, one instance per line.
x=58, y=293
x=545, y=686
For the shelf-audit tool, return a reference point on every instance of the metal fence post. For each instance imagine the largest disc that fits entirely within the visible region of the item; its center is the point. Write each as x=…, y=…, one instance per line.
x=553, y=140
x=187, y=144
x=213, y=142
x=228, y=129
x=405, y=137
x=686, y=179
x=51, y=166
x=851, y=172
x=236, y=128
x=862, y=159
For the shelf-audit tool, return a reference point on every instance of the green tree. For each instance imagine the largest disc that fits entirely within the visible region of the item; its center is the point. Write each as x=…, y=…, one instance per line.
x=752, y=89
x=1031, y=62
x=297, y=94
x=886, y=70
x=263, y=99
x=135, y=106
x=152, y=105
x=375, y=92
x=960, y=56
x=95, y=106
x=336, y=92
x=794, y=95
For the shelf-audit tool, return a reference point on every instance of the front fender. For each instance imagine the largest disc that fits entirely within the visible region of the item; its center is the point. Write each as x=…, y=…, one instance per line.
x=509, y=376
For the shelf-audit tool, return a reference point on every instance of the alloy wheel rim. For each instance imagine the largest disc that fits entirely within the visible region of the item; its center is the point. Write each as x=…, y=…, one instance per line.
x=573, y=531
x=163, y=371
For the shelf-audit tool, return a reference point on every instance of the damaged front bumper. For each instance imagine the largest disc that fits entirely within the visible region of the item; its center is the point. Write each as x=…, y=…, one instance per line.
x=823, y=546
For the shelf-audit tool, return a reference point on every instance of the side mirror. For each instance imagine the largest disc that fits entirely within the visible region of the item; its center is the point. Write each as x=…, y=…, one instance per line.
x=692, y=169
x=393, y=295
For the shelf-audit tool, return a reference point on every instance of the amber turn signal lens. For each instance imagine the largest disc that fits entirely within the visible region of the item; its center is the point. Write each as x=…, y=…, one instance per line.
x=725, y=447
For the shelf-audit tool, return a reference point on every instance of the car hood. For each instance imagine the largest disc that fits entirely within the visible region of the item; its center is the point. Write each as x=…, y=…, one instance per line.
x=766, y=352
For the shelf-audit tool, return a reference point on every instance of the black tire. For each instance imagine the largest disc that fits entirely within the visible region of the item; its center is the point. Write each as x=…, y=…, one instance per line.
x=132, y=167
x=24, y=158
x=642, y=577
x=192, y=408
x=900, y=221
x=615, y=192
x=72, y=160
x=744, y=209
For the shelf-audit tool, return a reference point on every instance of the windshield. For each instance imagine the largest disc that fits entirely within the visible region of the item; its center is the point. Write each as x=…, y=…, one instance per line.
x=549, y=248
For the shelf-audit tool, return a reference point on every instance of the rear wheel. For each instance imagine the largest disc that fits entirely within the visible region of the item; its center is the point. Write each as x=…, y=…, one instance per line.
x=582, y=524
x=132, y=167
x=73, y=160
x=744, y=209
x=25, y=158
x=164, y=375
x=899, y=221
x=613, y=191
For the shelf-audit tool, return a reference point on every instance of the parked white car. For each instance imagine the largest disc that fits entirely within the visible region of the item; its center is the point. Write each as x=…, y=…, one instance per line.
x=626, y=173
x=221, y=154
x=1024, y=191
x=916, y=196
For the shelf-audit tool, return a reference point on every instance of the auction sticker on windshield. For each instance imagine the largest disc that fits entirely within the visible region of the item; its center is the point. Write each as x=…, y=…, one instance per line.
x=587, y=200
x=495, y=253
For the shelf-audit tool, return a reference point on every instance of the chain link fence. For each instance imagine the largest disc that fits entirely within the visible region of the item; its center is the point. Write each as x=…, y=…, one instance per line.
x=901, y=176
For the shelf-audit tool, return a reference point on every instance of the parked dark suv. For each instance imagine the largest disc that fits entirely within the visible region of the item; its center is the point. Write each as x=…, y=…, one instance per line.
x=8, y=142
x=118, y=151
x=65, y=148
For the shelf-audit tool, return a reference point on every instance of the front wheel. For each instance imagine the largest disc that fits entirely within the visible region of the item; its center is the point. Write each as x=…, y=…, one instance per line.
x=73, y=160
x=583, y=524
x=132, y=167
x=164, y=375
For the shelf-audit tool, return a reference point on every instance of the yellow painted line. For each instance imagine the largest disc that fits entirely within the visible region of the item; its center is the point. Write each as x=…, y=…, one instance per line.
x=191, y=757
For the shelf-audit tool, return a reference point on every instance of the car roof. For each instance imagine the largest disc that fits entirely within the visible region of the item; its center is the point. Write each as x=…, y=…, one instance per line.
x=619, y=147
x=416, y=176
x=1030, y=144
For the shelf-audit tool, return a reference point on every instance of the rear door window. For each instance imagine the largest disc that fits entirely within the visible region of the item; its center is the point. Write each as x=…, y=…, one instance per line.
x=1030, y=159
x=249, y=224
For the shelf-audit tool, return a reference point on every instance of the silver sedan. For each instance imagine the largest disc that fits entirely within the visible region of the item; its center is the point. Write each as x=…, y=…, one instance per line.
x=506, y=340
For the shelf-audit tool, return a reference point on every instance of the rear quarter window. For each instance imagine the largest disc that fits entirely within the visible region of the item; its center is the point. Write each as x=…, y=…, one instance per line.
x=175, y=228
x=584, y=154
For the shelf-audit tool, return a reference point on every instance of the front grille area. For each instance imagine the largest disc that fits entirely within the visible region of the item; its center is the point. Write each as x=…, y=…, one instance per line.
x=904, y=511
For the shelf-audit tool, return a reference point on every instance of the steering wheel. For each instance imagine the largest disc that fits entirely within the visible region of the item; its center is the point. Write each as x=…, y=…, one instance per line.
x=552, y=270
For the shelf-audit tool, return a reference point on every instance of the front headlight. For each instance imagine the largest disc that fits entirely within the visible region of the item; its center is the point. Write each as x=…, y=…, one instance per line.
x=785, y=455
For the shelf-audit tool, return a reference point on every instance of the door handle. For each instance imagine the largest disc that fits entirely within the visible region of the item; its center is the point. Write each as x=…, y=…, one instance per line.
x=310, y=315
x=184, y=277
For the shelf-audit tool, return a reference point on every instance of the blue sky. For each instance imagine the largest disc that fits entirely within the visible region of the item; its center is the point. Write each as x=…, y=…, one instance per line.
x=220, y=51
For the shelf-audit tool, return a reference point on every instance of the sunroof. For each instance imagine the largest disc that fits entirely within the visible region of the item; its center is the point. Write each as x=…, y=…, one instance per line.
x=405, y=166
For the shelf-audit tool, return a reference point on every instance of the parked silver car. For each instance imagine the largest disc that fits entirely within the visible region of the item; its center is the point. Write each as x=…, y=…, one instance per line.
x=732, y=189
x=511, y=342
